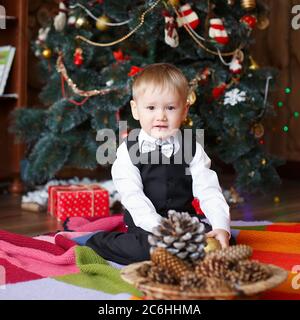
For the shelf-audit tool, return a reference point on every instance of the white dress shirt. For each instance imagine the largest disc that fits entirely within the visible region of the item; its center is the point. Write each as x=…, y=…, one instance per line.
x=206, y=188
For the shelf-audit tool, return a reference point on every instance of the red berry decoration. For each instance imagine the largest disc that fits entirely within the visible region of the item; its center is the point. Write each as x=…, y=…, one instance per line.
x=78, y=58
x=249, y=20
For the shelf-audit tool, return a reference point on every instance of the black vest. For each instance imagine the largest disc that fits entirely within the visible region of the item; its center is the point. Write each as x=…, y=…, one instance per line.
x=166, y=185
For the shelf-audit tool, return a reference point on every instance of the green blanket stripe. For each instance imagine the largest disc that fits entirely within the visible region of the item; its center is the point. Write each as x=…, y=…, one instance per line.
x=96, y=273
x=257, y=228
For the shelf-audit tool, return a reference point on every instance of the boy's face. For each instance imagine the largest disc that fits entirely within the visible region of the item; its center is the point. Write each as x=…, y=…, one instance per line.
x=160, y=112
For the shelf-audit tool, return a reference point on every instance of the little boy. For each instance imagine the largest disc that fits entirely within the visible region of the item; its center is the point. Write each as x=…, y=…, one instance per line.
x=148, y=190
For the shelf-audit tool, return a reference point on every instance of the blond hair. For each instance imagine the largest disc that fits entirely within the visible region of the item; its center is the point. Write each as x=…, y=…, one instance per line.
x=163, y=75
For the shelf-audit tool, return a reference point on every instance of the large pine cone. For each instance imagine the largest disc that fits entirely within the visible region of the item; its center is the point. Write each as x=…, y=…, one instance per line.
x=181, y=235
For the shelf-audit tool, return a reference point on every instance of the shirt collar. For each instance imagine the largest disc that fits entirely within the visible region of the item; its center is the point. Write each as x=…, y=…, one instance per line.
x=143, y=135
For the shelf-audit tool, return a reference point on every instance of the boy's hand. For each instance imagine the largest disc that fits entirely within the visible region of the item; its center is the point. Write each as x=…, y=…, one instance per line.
x=221, y=235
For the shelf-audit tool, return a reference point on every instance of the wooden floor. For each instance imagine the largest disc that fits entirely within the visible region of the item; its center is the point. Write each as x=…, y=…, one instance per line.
x=13, y=219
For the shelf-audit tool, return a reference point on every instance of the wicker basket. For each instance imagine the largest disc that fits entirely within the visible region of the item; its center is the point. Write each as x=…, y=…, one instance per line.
x=171, y=292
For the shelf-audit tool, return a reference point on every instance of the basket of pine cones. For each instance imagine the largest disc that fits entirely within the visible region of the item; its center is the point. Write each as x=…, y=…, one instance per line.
x=183, y=266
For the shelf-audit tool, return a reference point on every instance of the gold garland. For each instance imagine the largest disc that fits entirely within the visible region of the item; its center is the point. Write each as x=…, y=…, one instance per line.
x=108, y=44
x=60, y=67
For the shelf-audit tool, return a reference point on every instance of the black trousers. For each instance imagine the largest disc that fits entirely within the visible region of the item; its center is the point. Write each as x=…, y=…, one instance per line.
x=126, y=248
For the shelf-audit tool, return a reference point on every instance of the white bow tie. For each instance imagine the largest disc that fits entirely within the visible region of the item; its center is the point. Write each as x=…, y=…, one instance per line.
x=167, y=148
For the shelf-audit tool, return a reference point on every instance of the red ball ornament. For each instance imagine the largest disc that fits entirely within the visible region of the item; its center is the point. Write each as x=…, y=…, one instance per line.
x=78, y=58
x=249, y=21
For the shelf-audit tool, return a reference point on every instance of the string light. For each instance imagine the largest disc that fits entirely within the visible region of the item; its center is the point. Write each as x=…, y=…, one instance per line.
x=280, y=104
x=285, y=128
x=296, y=114
x=287, y=90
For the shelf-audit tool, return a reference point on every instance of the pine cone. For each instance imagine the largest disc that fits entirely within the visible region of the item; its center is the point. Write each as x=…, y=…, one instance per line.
x=175, y=266
x=181, y=235
x=247, y=271
x=191, y=282
x=161, y=275
x=213, y=266
x=233, y=254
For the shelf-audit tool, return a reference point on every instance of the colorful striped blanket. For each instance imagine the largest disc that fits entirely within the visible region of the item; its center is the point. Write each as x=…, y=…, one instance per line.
x=58, y=266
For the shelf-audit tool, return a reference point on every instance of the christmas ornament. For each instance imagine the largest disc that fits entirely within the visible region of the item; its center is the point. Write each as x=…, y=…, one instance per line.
x=101, y=23
x=78, y=58
x=212, y=245
x=181, y=235
x=187, y=17
x=61, y=18
x=71, y=21
x=43, y=34
x=263, y=161
x=188, y=122
x=174, y=265
x=235, y=66
x=134, y=70
x=171, y=34
x=262, y=22
x=232, y=196
x=174, y=3
x=249, y=21
x=234, y=96
x=276, y=199
x=47, y=53
x=217, y=31
x=258, y=130
x=253, y=64
x=81, y=22
x=248, y=4
x=119, y=56
x=218, y=91
x=192, y=97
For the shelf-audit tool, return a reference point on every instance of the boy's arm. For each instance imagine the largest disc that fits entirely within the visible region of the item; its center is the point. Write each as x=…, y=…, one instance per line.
x=128, y=182
x=207, y=189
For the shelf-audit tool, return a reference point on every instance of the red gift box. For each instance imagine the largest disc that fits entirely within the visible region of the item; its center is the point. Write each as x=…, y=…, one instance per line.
x=78, y=201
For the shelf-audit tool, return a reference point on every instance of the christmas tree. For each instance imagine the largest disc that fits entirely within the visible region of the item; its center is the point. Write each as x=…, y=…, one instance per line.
x=91, y=51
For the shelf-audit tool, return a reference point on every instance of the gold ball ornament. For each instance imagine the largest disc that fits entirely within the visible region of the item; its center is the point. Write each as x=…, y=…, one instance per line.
x=263, y=22
x=263, y=161
x=81, y=22
x=192, y=97
x=276, y=199
x=258, y=130
x=47, y=53
x=101, y=23
x=253, y=64
x=248, y=4
x=174, y=3
x=212, y=245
